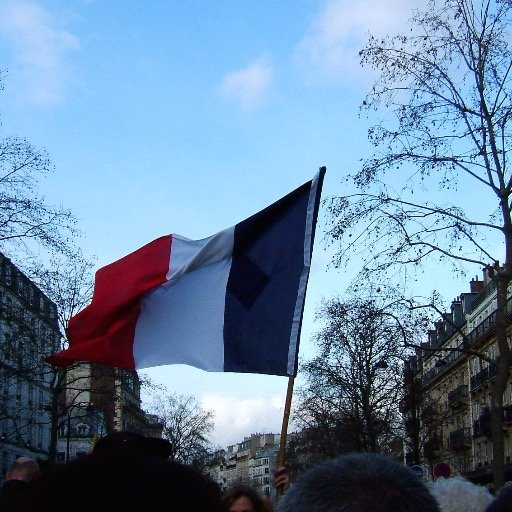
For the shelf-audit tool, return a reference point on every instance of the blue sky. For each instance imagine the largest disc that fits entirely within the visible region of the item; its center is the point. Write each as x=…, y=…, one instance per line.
x=187, y=117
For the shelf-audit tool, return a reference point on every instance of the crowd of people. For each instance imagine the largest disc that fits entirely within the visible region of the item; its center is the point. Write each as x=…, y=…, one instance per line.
x=127, y=472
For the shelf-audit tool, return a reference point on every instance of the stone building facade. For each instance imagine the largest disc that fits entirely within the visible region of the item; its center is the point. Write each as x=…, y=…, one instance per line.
x=28, y=331
x=99, y=400
x=96, y=400
x=251, y=462
x=447, y=392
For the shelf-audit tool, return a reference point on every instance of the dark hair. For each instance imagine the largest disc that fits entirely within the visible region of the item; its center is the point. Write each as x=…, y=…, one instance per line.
x=503, y=501
x=240, y=491
x=358, y=482
x=117, y=443
x=23, y=468
x=127, y=482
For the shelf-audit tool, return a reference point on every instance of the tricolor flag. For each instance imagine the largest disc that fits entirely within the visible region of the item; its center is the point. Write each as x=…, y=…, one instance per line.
x=232, y=302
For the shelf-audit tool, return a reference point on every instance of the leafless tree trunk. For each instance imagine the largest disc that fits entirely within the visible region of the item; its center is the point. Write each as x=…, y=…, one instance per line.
x=448, y=87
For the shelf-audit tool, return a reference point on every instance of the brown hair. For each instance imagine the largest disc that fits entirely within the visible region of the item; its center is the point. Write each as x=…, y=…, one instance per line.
x=244, y=490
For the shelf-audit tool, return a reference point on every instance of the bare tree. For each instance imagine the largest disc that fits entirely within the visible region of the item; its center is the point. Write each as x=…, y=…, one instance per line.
x=28, y=328
x=31, y=330
x=447, y=84
x=34, y=231
x=26, y=219
x=187, y=426
x=353, y=384
x=68, y=282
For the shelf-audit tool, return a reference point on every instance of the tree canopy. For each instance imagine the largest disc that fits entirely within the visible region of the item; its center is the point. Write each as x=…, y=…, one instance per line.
x=443, y=97
x=187, y=426
x=353, y=384
x=438, y=185
x=26, y=217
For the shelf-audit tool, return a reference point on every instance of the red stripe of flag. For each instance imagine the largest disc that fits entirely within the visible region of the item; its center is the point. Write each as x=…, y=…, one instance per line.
x=103, y=332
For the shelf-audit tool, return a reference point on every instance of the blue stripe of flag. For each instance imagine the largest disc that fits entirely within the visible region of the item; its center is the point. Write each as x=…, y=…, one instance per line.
x=263, y=289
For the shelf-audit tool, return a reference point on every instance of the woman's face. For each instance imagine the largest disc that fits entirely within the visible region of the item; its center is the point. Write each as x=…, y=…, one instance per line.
x=242, y=504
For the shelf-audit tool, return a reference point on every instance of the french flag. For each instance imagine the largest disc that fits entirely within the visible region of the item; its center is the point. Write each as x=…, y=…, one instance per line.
x=232, y=302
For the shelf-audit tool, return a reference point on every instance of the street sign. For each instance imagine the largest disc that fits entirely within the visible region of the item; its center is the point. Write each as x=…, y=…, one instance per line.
x=418, y=471
x=441, y=469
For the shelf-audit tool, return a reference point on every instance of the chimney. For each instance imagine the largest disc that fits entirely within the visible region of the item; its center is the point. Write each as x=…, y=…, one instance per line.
x=457, y=313
x=476, y=286
x=489, y=271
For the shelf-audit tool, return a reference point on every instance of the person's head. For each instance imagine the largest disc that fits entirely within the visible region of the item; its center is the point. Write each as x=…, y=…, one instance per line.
x=503, y=502
x=358, y=482
x=243, y=499
x=23, y=468
x=117, y=443
x=128, y=483
x=457, y=494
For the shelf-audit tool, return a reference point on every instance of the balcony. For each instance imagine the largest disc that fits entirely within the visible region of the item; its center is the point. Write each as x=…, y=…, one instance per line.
x=481, y=332
x=482, y=426
x=459, y=439
x=482, y=377
x=507, y=414
x=429, y=414
x=458, y=397
x=484, y=329
x=473, y=340
x=443, y=364
x=432, y=446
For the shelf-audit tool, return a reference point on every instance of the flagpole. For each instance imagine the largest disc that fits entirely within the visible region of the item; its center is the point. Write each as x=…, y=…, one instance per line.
x=284, y=429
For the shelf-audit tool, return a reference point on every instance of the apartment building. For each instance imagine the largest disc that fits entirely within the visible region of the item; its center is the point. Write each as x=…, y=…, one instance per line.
x=447, y=393
x=261, y=470
x=250, y=462
x=28, y=330
x=99, y=400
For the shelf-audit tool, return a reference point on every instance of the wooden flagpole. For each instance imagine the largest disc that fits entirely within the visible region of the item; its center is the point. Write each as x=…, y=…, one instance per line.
x=284, y=429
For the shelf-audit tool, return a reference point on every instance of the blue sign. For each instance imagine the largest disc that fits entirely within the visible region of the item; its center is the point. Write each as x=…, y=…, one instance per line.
x=418, y=471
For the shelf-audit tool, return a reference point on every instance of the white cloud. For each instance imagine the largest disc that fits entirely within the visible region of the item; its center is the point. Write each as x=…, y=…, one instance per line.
x=249, y=86
x=38, y=49
x=236, y=418
x=331, y=45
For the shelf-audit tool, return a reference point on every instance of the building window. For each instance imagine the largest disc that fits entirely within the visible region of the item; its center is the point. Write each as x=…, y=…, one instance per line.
x=82, y=429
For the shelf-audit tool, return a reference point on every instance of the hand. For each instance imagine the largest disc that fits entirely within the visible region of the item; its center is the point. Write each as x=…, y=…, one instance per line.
x=281, y=478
